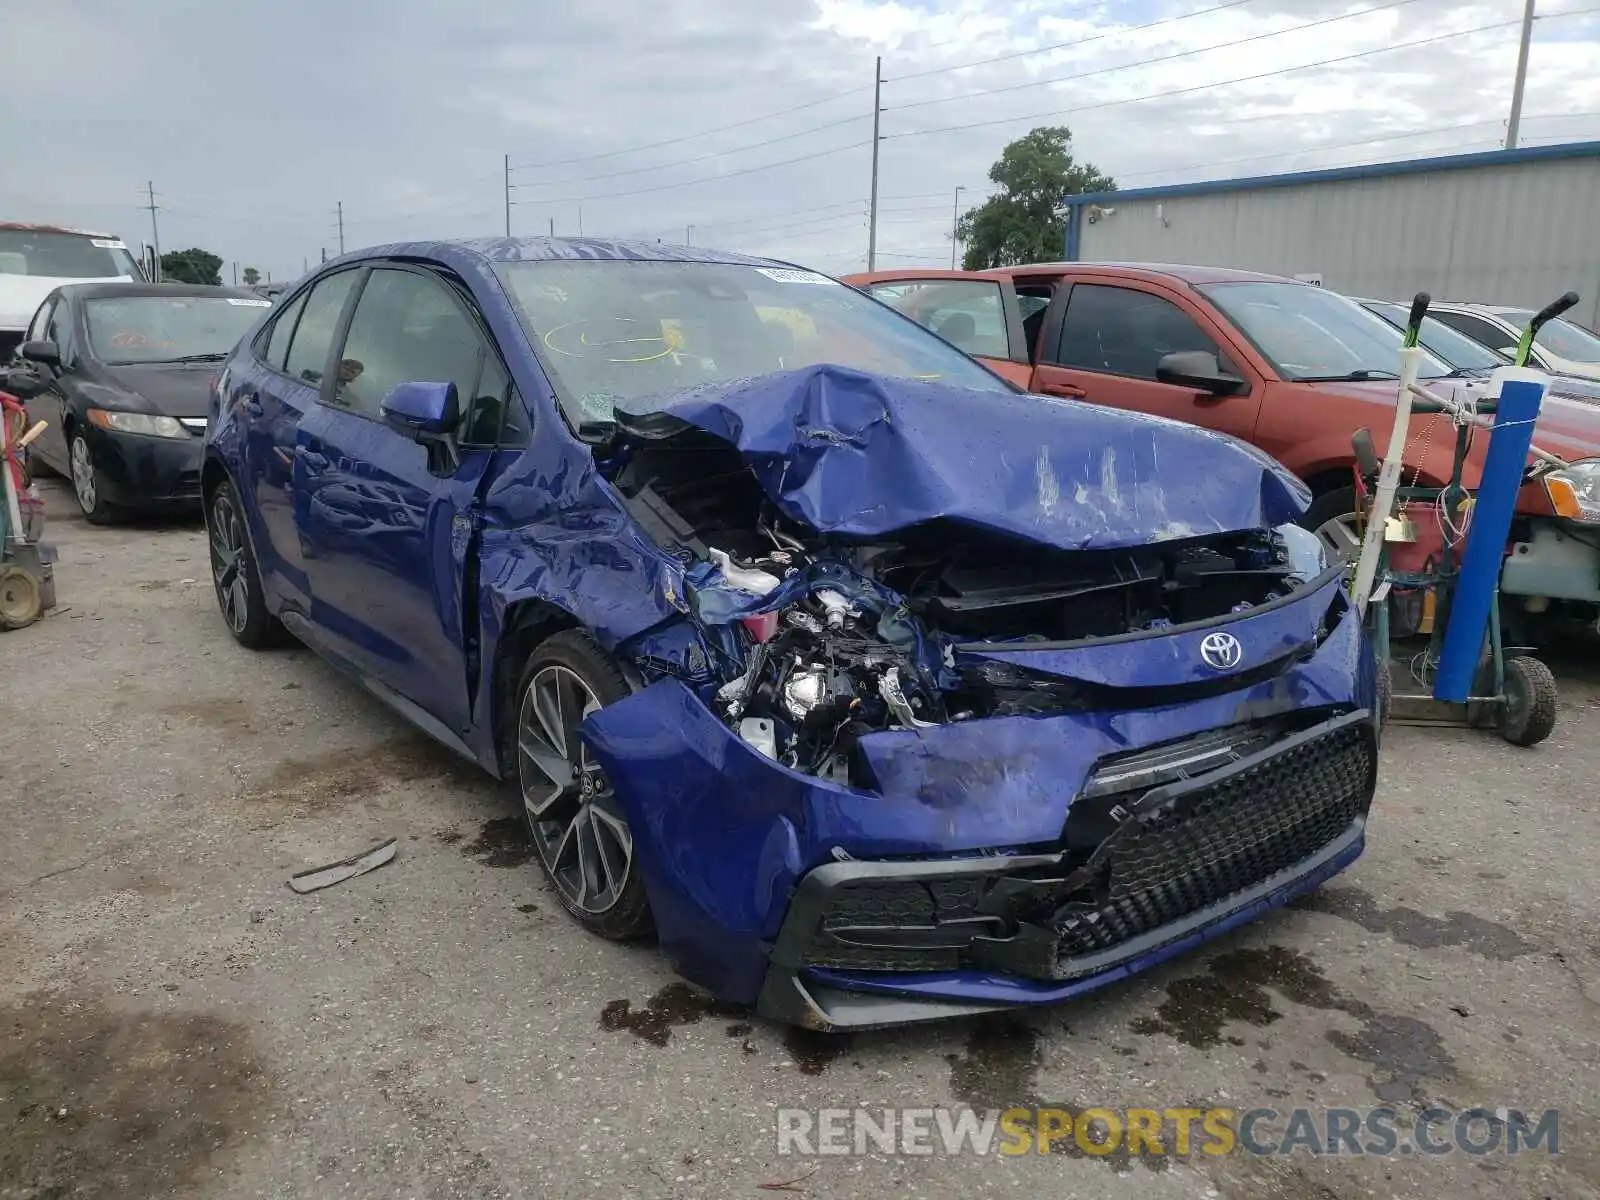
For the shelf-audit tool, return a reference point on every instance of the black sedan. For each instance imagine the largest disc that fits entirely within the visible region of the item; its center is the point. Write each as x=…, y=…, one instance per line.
x=131, y=365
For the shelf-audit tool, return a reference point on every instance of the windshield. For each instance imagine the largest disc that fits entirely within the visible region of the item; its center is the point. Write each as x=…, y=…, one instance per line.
x=1452, y=346
x=1311, y=334
x=608, y=331
x=64, y=256
x=143, y=329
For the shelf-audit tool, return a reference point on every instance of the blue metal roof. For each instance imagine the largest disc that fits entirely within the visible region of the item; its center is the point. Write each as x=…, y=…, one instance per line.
x=1408, y=166
x=548, y=249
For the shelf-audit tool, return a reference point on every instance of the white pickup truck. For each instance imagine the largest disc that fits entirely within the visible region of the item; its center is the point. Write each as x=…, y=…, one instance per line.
x=37, y=259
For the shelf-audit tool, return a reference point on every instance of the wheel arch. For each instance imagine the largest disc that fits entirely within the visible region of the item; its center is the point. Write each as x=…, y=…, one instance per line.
x=525, y=623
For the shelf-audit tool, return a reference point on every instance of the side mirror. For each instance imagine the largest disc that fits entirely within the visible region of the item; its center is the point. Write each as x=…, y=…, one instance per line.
x=1198, y=369
x=423, y=412
x=41, y=352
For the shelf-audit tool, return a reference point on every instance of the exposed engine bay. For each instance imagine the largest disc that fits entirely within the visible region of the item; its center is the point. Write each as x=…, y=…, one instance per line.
x=822, y=639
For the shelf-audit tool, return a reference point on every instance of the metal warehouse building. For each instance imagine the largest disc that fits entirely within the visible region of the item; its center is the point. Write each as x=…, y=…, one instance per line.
x=1506, y=227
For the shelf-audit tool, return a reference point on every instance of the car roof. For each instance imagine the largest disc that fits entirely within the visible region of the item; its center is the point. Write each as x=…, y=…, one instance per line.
x=1153, y=271
x=114, y=288
x=28, y=227
x=560, y=249
x=1147, y=272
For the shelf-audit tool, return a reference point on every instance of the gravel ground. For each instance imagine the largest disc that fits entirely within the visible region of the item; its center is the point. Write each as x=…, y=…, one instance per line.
x=176, y=1022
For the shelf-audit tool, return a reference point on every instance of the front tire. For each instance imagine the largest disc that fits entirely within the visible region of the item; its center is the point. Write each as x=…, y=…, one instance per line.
x=234, y=573
x=578, y=829
x=88, y=483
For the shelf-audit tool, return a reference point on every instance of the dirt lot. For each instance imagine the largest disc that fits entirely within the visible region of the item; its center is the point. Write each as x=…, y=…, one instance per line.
x=176, y=1022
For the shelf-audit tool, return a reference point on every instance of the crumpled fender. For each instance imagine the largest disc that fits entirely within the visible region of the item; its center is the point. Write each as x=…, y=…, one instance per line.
x=722, y=833
x=853, y=453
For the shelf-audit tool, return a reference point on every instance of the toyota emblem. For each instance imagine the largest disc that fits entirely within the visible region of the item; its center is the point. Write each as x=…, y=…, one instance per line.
x=1221, y=651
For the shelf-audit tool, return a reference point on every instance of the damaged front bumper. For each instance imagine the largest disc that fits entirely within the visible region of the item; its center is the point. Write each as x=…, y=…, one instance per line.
x=867, y=944
x=1010, y=860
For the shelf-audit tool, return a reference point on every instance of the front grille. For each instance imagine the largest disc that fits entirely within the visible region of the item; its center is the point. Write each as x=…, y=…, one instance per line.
x=1213, y=842
x=1225, y=838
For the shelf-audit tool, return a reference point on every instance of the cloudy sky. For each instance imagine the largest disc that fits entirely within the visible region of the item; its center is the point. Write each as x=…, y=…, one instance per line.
x=750, y=122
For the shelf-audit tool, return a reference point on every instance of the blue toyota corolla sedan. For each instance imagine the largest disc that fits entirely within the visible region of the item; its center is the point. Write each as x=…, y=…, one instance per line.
x=875, y=689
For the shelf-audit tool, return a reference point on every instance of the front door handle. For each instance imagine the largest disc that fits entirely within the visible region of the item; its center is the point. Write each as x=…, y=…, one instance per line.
x=1070, y=391
x=251, y=403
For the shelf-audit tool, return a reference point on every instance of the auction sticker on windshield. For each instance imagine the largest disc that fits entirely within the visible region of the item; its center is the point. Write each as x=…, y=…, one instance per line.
x=238, y=303
x=793, y=275
x=107, y=244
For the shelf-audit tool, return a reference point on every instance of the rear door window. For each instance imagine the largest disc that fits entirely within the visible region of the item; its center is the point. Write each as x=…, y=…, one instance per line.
x=277, y=343
x=313, y=334
x=1120, y=331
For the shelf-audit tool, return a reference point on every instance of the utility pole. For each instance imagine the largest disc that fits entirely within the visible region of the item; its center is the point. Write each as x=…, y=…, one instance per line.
x=580, y=220
x=236, y=273
x=688, y=235
x=552, y=227
x=155, y=234
x=1522, y=76
x=340, y=204
x=872, y=217
x=324, y=254
x=508, y=195
x=955, y=219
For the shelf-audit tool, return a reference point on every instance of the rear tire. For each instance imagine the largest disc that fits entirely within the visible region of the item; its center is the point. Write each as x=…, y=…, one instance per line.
x=1528, y=715
x=234, y=573
x=579, y=834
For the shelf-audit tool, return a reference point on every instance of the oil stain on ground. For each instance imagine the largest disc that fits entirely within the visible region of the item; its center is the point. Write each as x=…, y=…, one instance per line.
x=132, y=1105
x=342, y=775
x=1000, y=1067
x=1409, y=927
x=675, y=1004
x=502, y=842
x=814, y=1051
x=1402, y=1050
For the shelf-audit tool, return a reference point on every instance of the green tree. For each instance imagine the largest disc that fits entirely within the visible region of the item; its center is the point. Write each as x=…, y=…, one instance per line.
x=251, y=276
x=191, y=266
x=1018, y=224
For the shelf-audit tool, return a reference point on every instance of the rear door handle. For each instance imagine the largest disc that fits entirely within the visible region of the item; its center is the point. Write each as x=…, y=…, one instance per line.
x=1069, y=390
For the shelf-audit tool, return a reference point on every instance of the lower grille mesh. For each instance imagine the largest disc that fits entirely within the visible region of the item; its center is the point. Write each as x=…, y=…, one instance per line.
x=1215, y=842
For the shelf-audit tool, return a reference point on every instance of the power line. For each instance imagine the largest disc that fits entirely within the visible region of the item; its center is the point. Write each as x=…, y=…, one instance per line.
x=684, y=162
x=1202, y=87
x=665, y=187
x=1146, y=62
x=689, y=137
x=1314, y=148
x=1099, y=37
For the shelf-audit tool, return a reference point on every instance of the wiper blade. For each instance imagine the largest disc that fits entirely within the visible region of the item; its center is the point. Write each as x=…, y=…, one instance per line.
x=1362, y=376
x=217, y=356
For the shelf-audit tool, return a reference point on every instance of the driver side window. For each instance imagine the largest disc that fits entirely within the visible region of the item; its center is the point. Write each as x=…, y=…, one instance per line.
x=43, y=322
x=410, y=327
x=1120, y=331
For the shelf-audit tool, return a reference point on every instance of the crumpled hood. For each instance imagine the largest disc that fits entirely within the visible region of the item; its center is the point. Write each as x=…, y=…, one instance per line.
x=852, y=453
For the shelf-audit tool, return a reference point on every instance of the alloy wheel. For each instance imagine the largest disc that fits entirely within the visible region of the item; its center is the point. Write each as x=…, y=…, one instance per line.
x=83, y=475
x=1340, y=537
x=227, y=562
x=577, y=826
